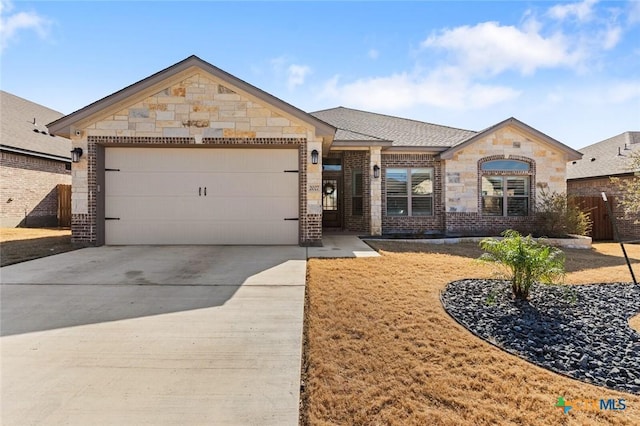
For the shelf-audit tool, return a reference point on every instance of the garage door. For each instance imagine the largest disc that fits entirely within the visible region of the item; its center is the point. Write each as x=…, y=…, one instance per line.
x=201, y=196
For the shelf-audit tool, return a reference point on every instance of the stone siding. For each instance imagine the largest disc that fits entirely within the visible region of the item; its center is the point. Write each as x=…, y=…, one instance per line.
x=461, y=172
x=199, y=109
x=591, y=187
x=28, y=190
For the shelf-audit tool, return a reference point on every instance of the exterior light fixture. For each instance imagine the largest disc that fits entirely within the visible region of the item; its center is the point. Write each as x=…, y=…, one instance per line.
x=376, y=171
x=314, y=156
x=76, y=153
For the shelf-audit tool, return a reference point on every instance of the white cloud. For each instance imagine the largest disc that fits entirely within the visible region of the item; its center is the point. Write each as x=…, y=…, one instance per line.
x=13, y=23
x=611, y=37
x=296, y=75
x=633, y=14
x=373, y=54
x=582, y=11
x=492, y=48
x=442, y=88
x=621, y=92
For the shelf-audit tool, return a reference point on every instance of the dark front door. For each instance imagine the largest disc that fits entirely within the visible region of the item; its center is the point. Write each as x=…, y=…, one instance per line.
x=331, y=189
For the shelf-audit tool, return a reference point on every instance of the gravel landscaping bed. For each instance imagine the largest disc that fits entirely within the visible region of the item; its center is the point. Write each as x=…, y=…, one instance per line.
x=580, y=331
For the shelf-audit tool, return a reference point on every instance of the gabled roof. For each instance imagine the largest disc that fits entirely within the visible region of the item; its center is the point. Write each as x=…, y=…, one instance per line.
x=605, y=158
x=402, y=132
x=63, y=125
x=23, y=129
x=572, y=154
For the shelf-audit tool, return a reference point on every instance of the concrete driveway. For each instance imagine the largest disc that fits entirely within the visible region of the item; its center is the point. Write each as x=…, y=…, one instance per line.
x=153, y=335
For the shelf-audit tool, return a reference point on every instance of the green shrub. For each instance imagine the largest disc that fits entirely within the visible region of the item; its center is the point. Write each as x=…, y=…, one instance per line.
x=558, y=216
x=523, y=260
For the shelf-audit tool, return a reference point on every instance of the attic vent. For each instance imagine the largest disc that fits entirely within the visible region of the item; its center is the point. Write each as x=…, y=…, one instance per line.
x=516, y=144
x=224, y=90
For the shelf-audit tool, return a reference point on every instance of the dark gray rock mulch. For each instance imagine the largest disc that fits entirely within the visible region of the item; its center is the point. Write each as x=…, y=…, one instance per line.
x=580, y=331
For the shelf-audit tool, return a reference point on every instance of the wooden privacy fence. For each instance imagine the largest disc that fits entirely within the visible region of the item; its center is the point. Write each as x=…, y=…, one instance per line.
x=64, y=206
x=596, y=209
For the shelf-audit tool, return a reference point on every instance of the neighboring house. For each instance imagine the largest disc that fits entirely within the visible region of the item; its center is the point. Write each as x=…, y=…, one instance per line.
x=32, y=163
x=589, y=177
x=194, y=155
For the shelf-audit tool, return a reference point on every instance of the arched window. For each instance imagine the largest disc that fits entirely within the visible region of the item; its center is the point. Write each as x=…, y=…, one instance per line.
x=505, y=165
x=505, y=187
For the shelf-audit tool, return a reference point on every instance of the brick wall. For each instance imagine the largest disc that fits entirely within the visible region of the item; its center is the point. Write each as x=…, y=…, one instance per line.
x=593, y=188
x=84, y=226
x=413, y=224
x=474, y=224
x=28, y=194
x=356, y=161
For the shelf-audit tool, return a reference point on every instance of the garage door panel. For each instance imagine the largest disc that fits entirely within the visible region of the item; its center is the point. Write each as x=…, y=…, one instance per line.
x=149, y=232
x=158, y=196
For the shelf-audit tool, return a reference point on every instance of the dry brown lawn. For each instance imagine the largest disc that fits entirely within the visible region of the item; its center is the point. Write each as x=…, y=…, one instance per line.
x=381, y=350
x=20, y=244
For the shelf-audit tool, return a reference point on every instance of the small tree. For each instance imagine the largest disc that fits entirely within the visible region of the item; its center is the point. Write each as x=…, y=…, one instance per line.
x=557, y=215
x=523, y=261
x=630, y=188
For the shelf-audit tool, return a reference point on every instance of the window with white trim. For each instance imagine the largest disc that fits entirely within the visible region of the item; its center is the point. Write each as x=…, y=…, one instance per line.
x=505, y=188
x=409, y=192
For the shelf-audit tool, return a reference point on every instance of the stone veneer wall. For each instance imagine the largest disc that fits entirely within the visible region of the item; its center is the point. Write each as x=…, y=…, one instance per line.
x=199, y=109
x=463, y=180
x=413, y=224
x=28, y=190
x=590, y=187
x=356, y=161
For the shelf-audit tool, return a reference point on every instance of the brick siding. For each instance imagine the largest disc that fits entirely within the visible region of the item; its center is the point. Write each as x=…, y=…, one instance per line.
x=627, y=229
x=84, y=226
x=413, y=224
x=356, y=161
x=28, y=193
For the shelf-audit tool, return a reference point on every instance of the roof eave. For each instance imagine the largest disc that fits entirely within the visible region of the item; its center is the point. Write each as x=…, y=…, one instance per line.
x=34, y=153
x=63, y=125
x=572, y=154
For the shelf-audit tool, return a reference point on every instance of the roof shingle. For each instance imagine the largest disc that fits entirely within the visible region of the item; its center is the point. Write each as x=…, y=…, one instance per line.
x=602, y=159
x=402, y=132
x=24, y=128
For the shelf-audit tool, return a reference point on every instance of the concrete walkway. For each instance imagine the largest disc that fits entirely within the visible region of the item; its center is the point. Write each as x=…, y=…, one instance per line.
x=153, y=336
x=341, y=245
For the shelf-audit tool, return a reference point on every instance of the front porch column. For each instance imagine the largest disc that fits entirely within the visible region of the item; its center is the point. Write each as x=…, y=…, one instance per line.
x=375, y=196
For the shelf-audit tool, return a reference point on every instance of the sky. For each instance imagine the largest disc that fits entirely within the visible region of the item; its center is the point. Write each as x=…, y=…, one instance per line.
x=570, y=69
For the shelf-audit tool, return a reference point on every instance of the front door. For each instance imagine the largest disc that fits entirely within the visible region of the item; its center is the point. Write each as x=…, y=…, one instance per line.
x=331, y=188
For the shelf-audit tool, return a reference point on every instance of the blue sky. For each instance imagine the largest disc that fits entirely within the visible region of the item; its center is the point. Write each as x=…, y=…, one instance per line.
x=569, y=69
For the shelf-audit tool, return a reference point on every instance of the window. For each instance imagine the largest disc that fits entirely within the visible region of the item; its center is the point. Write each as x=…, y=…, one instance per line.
x=331, y=164
x=409, y=192
x=357, y=190
x=503, y=194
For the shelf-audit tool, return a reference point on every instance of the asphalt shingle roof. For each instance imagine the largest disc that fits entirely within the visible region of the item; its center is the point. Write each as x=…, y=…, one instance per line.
x=359, y=125
x=18, y=130
x=602, y=159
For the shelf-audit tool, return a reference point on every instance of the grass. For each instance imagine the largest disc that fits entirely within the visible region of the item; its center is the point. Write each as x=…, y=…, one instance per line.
x=380, y=349
x=21, y=244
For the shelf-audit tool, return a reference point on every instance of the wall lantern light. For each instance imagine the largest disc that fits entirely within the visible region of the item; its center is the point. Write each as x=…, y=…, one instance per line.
x=314, y=156
x=76, y=153
x=376, y=171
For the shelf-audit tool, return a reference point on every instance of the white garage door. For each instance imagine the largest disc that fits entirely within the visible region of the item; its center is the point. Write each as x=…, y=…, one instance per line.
x=201, y=196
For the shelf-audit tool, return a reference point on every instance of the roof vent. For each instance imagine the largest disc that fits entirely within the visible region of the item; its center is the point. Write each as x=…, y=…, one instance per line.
x=573, y=162
x=516, y=144
x=43, y=132
x=626, y=147
x=619, y=153
x=36, y=130
x=593, y=159
x=34, y=121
